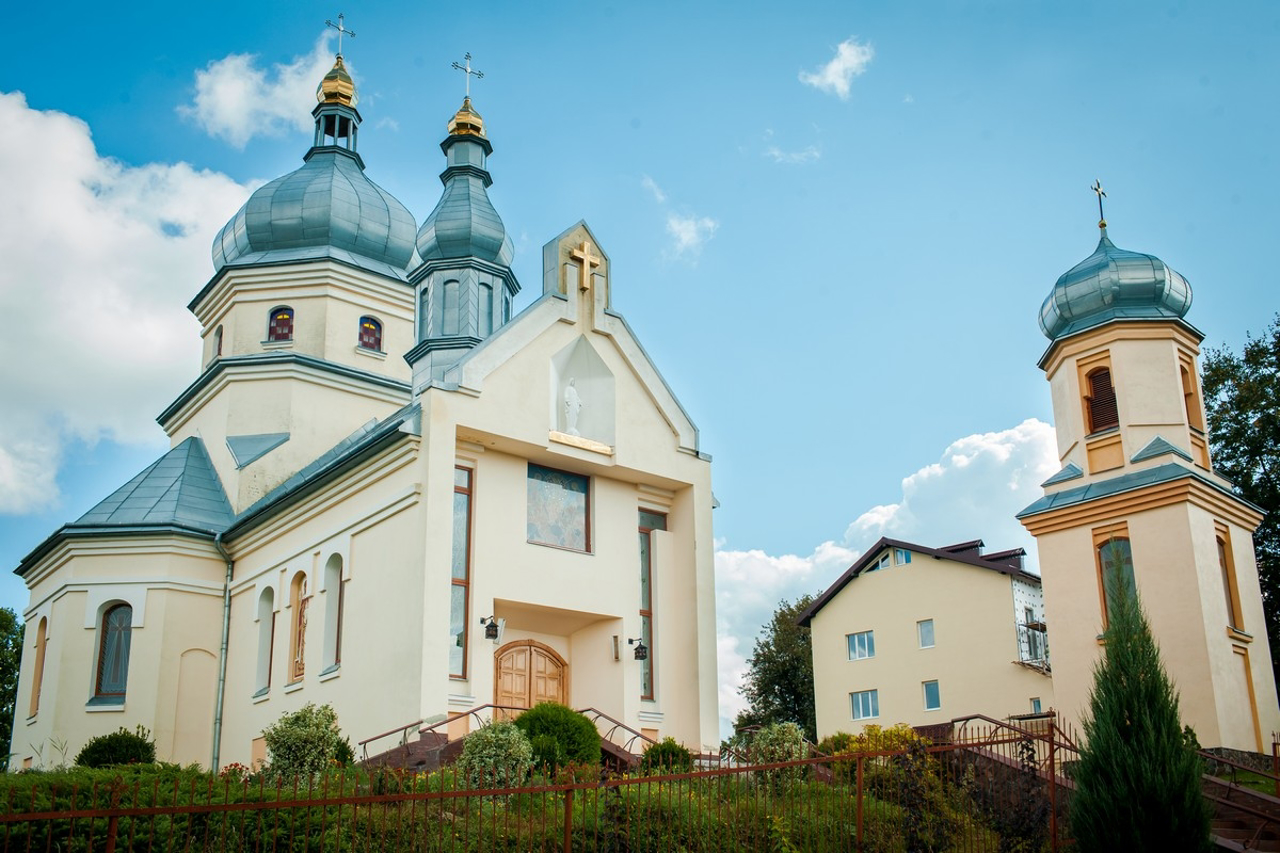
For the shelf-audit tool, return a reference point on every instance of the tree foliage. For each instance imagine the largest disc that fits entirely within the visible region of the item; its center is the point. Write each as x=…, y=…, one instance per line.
x=779, y=680
x=10, y=659
x=1137, y=783
x=303, y=742
x=1242, y=401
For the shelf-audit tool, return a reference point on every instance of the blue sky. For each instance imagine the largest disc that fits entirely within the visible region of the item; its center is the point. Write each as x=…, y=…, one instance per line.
x=832, y=224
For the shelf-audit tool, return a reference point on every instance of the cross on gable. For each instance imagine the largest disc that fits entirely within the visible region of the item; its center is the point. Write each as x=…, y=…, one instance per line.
x=583, y=255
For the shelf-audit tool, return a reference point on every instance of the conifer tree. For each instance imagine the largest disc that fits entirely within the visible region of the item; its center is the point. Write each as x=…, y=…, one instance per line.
x=1137, y=784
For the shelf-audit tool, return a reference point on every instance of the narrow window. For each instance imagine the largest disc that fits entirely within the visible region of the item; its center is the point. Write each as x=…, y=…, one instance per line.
x=861, y=645
x=217, y=342
x=559, y=508
x=460, y=583
x=901, y=556
x=333, y=594
x=113, y=653
x=370, y=334
x=37, y=677
x=1035, y=705
x=1115, y=558
x=1035, y=635
x=299, y=598
x=485, y=314
x=1191, y=399
x=1101, y=401
x=280, y=325
x=506, y=307
x=1229, y=581
x=649, y=522
x=932, y=699
x=266, y=639
x=866, y=704
x=449, y=320
x=924, y=630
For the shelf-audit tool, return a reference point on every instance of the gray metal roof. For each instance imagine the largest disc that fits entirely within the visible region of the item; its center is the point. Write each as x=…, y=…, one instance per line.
x=329, y=202
x=1159, y=447
x=181, y=487
x=1126, y=483
x=246, y=449
x=464, y=223
x=1113, y=284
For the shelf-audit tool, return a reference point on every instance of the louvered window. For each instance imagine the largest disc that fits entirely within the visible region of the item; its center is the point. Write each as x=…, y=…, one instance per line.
x=1102, y=401
x=280, y=327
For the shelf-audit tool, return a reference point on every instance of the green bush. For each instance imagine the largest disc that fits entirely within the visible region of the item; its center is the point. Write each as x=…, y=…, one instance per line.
x=666, y=757
x=548, y=754
x=302, y=743
x=577, y=737
x=121, y=747
x=496, y=755
x=775, y=743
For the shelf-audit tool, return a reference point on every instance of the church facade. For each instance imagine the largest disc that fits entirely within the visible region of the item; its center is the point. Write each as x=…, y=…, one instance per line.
x=386, y=492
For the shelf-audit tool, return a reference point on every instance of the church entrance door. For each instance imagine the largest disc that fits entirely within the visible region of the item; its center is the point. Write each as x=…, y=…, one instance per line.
x=527, y=672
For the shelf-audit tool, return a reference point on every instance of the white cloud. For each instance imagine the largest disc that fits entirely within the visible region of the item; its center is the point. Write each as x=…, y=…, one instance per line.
x=973, y=491
x=690, y=233
x=851, y=59
x=652, y=186
x=908, y=98
x=99, y=262
x=236, y=100
x=803, y=155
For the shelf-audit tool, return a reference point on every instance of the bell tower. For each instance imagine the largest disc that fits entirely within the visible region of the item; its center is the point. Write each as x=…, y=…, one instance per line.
x=1137, y=494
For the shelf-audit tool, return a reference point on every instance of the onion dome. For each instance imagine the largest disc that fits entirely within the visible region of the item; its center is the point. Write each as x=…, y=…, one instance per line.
x=327, y=208
x=464, y=223
x=1113, y=284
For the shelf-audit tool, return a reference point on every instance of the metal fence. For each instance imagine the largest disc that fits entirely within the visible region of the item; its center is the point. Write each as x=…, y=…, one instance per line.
x=974, y=783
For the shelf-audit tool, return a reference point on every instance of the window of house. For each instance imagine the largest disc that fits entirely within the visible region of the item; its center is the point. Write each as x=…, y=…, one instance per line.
x=217, y=342
x=1115, y=565
x=1035, y=705
x=37, y=677
x=1190, y=398
x=280, y=324
x=924, y=630
x=558, y=508
x=1035, y=635
x=370, y=334
x=485, y=314
x=113, y=653
x=866, y=704
x=333, y=606
x=932, y=698
x=649, y=522
x=266, y=639
x=460, y=577
x=450, y=322
x=861, y=645
x=1101, y=401
x=299, y=598
x=882, y=563
x=901, y=556
x=1229, y=588
x=506, y=306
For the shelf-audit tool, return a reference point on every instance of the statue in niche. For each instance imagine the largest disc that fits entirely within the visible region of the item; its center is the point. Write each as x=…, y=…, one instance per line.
x=572, y=406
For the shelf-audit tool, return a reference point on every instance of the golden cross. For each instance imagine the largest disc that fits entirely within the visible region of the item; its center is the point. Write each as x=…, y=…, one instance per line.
x=583, y=255
x=466, y=69
x=1097, y=188
x=341, y=31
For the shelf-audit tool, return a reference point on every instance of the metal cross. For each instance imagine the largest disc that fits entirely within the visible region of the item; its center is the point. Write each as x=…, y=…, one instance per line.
x=1097, y=188
x=466, y=69
x=341, y=31
x=588, y=260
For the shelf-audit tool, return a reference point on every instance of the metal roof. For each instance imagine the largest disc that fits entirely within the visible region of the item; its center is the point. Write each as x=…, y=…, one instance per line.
x=180, y=487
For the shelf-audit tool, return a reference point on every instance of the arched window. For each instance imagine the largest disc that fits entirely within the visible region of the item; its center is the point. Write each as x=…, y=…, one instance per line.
x=266, y=639
x=370, y=334
x=113, y=652
x=37, y=676
x=332, y=613
x=280, y=324
x=217, y=342
x=299, y=598
x=1115, y=565
x=1101, y=400
x=485, y=315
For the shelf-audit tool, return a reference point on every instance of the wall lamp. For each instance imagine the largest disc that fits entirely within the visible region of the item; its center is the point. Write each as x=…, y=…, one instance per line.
x=490, y=627
x=642, y=651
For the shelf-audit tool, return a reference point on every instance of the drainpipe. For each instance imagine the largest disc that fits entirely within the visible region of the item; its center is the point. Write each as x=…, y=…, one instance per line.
x=222, y=655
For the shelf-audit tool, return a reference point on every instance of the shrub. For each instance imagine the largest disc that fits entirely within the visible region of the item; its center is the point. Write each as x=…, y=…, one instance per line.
x=344, y=753
x=496, y=755
x=547, y=752
x=666, y=757
x=121, y=747
x=302, y=743
x=1137, y=782
x=775, y=743
x=578, y=740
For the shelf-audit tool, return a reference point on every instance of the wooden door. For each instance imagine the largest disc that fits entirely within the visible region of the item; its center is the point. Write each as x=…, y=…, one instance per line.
x=528, y=672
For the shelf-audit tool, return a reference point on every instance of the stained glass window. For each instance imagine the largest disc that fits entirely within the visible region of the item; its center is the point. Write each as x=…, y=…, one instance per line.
x=558, y=512
x=1115, y=559
x=113, y=653
x=280, y=327
x=370, y=334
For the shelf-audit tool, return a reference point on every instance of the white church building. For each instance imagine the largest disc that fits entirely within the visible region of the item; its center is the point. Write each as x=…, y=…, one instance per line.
x=376, y=471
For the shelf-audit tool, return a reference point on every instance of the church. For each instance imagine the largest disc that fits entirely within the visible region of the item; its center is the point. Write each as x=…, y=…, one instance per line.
x=387, y=492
